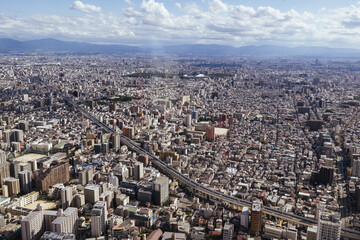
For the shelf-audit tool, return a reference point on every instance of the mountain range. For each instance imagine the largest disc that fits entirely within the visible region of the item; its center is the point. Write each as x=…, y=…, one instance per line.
x=50, y=45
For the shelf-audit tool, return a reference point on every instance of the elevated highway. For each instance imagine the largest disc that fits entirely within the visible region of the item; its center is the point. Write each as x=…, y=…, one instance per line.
x=198, y=188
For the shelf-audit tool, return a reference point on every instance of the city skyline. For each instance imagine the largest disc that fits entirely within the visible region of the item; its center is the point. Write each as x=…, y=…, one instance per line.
x=153, y=23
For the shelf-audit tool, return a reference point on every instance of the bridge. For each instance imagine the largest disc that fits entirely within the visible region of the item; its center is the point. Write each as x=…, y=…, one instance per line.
x=198, y=188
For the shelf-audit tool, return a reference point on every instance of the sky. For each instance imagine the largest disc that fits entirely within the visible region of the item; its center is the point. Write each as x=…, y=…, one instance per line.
x=331, y=23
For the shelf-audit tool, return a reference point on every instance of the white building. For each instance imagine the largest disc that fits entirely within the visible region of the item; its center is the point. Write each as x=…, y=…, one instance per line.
x=329, y=226
x=98, y=219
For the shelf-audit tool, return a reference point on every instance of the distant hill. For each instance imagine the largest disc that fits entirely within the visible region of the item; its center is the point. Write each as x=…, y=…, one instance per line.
x=8, y=45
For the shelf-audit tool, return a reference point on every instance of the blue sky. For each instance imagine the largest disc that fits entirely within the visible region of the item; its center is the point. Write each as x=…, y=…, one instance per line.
x=331, y=23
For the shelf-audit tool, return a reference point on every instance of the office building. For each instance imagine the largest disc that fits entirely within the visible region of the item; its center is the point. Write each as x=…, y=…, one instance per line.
x=2, y=156
x=138, y=170
x=92, y=194
x=4, y=172
x=160, y=190
x=128, y=132
x=256, y=217
x=98, y=219
x=13, y=186
x=244, y=218
x=187, y=120
x=25, y=179
x=144, y=195
x=114, y=180
x=116, y=142
x=144, y=159
x=228, y=231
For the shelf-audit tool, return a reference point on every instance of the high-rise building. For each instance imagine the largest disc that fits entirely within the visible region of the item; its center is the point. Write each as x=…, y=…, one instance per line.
x=244, y=218
x=13, y=185
x=128, y=132
x=19, y=135
x=5, y=191
x=86, y=176
x=66, y=197
x=311, y=233
x=7, y=136
x=329, y=226
x=357, y=196
x=210, y=134
x=112, y=107
x=2, y=156
x=55, y=174
x=144, y=159
x=2, y=221
x=4, y=172
x=187, y=120
x=32, y=226
x=114, y=180
x=14, y=168
x=116, y=142
x=228, y=231
x=256, y=217
x=23, y=125
x=25, y=179
x=138, y=170
x=160, y=190
x=79, y=200
x=92, y=194
x=105, y=148
x=98, y=219
x=66, y=221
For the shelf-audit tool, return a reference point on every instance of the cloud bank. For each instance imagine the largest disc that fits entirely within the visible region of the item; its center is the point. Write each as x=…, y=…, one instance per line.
x=215, y=23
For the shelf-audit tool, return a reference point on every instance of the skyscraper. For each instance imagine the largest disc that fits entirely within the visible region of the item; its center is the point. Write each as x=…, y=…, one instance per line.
x=2, y=156
x=256, y=217
x=116, y=142
x=160, y=190
x=138, y=170
x=244, y=219
x=25, y=179
x=98, y=219
x=13, y=185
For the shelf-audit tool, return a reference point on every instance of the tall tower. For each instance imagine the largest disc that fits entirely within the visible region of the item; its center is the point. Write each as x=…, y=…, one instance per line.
x=25, y=180
x=98, y=219
x=138, y=170
x=256, y=217
x=160, y=190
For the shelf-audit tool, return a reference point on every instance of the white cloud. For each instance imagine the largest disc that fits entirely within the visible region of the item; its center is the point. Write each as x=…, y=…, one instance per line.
x=88, y=8
x=216, y=22
x=129, y=2
x=218, y=6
